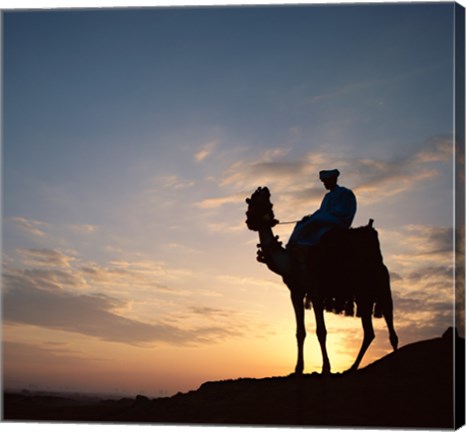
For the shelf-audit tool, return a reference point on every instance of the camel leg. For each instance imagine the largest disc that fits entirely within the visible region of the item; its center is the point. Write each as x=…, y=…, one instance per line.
x=388, y=315
x=297, y=299
x=387, y=309
x=321, y=332
x=369, y=336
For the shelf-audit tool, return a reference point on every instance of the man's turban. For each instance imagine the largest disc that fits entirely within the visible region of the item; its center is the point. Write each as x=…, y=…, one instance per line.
x=326, y=174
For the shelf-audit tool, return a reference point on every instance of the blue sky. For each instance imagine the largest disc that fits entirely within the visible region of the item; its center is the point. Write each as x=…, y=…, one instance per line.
x=102, y=91
x=132, y=136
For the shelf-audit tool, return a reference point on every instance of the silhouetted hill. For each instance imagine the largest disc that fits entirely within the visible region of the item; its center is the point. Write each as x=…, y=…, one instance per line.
x=412, y=387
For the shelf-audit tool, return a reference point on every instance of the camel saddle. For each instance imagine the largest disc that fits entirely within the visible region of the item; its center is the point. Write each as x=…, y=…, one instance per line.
x=347, y=265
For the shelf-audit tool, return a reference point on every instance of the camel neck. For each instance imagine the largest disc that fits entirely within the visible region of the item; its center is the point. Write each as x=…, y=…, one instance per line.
x=266, y=236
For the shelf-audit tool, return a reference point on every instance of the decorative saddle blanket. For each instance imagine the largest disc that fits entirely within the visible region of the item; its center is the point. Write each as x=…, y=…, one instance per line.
x=348, y=266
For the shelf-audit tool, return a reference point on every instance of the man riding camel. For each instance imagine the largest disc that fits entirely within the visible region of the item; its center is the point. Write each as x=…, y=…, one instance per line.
x=336, y=212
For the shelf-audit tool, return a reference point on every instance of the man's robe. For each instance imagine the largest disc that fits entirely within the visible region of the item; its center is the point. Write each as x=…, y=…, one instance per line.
x=336, y=211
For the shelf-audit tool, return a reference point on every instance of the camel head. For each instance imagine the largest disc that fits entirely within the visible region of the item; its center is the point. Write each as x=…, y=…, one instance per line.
x=260, y=214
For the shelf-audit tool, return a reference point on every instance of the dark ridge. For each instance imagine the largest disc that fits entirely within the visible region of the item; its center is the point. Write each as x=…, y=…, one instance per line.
x=411, y=388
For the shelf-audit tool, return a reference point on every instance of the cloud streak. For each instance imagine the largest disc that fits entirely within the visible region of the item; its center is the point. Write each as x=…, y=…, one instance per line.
x=52, y=290
x=30, y=226
x=280, y=173
x=424, y=245
x=45, y=257
x=28, y=300
x=206, y=150
x=211, y=203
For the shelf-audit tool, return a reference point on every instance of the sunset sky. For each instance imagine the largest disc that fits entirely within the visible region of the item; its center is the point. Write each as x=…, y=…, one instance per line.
x=132, y=137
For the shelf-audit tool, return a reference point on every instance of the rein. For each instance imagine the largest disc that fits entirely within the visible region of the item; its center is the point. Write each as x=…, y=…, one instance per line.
x=290, y=222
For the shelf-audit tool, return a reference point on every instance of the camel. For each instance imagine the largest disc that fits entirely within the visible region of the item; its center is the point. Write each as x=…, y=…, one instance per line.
x=347, y=268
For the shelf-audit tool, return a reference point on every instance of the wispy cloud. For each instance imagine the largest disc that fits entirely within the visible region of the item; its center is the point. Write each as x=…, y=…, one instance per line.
x=45, y=257
x=390, y=178
x=182, y=248
x=437, y=149
x=31, y=298
x=127, y=301
x=174, y=182
x=210, y=203
x=135, y=277
x=423, y=245
x=424, y=303
x=206, y=150
x=82, y=228
x=47, y=279
x=30, y=226
x=248, y=174
x=86, y=314
x=423, y=288
x=295, y=179
x=50, y=269
x=430, y=240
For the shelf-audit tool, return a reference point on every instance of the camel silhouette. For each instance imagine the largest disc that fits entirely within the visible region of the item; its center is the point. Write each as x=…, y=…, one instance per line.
x=346, y=268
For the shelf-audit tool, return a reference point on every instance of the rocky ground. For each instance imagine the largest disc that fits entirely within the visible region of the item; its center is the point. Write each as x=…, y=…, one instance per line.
x=412, y=387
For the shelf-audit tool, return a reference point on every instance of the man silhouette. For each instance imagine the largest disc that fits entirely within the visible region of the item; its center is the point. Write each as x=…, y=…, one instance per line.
x=336, y=211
